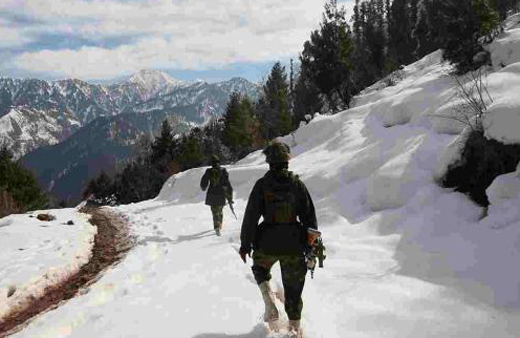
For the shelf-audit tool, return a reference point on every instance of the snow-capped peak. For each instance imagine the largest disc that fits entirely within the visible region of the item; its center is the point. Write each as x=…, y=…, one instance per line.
x=155, y=81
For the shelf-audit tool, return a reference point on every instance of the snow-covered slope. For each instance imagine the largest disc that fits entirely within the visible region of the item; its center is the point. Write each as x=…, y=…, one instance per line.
x=406, y=258
x=26, y=129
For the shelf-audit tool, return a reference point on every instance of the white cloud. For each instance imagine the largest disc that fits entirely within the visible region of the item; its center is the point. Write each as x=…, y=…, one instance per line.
x=10, y=38
x=192, y=34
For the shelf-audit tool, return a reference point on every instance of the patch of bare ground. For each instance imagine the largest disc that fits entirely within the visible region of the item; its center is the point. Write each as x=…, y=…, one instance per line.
x=111, y=243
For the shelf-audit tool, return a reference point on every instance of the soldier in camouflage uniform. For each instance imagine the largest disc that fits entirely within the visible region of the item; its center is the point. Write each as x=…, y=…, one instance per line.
x=219, y=191
x=283, y=201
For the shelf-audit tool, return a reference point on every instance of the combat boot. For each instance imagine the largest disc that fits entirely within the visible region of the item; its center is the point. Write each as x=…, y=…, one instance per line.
x=217, y=231
x=271, y=312
x=294, y=329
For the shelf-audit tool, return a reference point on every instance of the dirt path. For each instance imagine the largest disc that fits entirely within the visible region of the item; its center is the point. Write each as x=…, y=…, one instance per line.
x=111, y=243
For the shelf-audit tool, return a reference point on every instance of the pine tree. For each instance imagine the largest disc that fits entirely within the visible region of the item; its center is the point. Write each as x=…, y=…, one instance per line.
x=467, y=21
x=412, y=19
x=20, y=183
x=364, y=73
x=370, y=56
x=356, y=26
x=163, y=144
x=327, y=56
x=237, y=123
x=429, y=28
x=376, y=35
x=401, y=45
x=503, y=6
x=273, y=105
x=213, y=140
x=422, y=31
x=488, y=19
x=190, y=154
x=307, y=99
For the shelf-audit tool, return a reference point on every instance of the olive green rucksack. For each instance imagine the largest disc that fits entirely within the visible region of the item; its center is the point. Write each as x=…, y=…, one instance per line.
x=218, y=178
x=215, y=176
x=280, y=200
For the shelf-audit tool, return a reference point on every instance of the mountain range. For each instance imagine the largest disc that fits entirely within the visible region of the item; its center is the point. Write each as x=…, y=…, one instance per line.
x=35, y=113
x=67, y=131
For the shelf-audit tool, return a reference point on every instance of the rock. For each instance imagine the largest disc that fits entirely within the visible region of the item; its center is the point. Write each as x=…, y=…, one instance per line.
x=70, y=222
x=11, y=290
x=46, y=217
x=482, y=58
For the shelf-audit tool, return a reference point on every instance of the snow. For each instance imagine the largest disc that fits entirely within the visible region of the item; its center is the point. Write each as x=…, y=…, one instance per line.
x=156, y=82
x=24, y=129
x=503, y=120
x=504, y=198
x=406, y=258
x=36, y=254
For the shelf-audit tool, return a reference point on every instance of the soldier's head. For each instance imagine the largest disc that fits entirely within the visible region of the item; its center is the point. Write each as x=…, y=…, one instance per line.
x=277, y=154
x=215, y=161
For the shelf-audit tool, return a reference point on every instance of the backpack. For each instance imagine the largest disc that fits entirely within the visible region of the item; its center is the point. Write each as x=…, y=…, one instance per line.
x=215, y=177
x=280, y=233
x=219, y=181
x=280, y=200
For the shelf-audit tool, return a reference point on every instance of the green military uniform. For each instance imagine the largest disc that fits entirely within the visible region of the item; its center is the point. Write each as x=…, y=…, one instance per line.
x=219, y=191
x=283, y=201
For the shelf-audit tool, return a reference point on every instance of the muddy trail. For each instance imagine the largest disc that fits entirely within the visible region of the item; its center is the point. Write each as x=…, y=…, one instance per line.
x=111, y=243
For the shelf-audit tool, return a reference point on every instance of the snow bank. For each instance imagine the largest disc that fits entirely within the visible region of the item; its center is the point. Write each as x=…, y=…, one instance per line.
x=502, y=122
x=504, y=199
x=504, y=187
x=503, y=119
x=35, y=254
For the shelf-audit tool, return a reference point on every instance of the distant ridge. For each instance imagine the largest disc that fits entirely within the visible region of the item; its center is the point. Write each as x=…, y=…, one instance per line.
x=26, y=105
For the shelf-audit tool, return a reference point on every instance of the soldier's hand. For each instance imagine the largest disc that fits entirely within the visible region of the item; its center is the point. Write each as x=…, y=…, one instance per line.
x=243, y=253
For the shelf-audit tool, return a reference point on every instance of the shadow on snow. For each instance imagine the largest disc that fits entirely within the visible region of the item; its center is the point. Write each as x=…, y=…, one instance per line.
x=259, y=331
x=180, y=239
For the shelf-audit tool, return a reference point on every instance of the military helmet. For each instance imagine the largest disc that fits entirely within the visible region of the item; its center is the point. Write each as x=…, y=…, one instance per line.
x=215, y=159
x=277, y=152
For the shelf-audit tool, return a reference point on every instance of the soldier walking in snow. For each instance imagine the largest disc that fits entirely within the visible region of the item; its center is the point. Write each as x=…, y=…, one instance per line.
x=283, y=201
x=219, y=191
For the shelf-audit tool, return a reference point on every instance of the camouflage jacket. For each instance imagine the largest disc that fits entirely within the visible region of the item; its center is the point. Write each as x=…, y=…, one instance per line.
x=274, y=237
x=219, y=187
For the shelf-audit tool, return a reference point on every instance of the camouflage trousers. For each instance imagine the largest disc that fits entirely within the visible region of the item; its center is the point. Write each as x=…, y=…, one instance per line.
x=293, y=269
x=218, y=215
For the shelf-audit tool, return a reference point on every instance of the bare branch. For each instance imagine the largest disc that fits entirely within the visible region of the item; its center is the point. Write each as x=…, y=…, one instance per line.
x=473, y=92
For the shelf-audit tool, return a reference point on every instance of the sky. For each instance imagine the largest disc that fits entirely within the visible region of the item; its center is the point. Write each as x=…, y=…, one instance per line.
x=101, y=40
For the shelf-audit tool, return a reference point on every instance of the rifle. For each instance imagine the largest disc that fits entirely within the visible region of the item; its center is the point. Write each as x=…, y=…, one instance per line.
x=316, y=250
x=229, y=198
x=230, y=202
